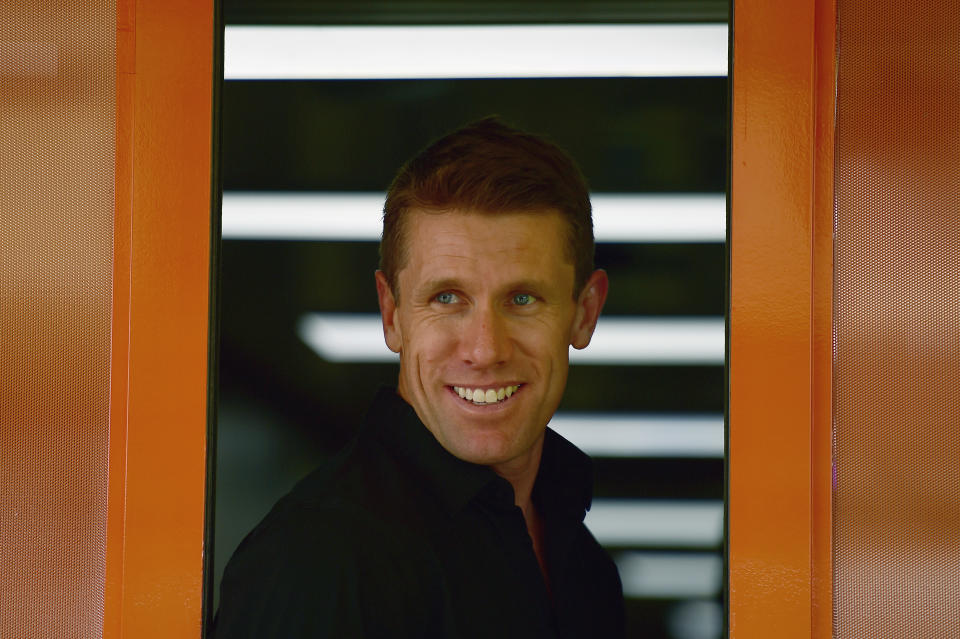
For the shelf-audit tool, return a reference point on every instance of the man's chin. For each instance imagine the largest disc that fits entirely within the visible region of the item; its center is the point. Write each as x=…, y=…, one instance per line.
x=488, y=447
x=485, y=449
x=489, y=435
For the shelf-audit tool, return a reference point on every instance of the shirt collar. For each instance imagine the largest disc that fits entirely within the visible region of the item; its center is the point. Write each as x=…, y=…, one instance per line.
x=564, y=485
x=394, y=422
x=564, y=481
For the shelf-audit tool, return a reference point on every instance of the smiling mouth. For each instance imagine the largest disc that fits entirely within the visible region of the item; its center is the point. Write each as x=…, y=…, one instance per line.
x=483, y=396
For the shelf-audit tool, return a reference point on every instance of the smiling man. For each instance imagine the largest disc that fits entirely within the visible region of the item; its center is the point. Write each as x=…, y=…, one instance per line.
x=455, y=512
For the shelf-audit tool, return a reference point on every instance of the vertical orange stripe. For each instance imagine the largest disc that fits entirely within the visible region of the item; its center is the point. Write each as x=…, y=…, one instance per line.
x=821, y=497
x=161, y=302
x=123, y=194
x=781, y=207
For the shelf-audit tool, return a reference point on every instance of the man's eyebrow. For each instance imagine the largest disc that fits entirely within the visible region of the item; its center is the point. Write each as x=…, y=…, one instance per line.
x=440, y=284
x=455, y=283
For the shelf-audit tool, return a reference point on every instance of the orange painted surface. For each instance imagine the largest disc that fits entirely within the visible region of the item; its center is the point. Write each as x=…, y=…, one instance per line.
x=897, y=321
x=161, y=301
x=779, y=411
x=56, y=223
x=821, y=443
x=120, y=333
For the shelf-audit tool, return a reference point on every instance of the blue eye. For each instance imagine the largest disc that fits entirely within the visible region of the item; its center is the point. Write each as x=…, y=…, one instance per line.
x=446, y=298
x=523, y=299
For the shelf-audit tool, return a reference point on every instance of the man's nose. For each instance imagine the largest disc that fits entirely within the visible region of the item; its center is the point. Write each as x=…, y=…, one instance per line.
x=486, y=341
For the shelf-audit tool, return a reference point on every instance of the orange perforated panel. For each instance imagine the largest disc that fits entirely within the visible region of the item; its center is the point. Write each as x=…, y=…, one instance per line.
x=56, y=214
x=897, y=321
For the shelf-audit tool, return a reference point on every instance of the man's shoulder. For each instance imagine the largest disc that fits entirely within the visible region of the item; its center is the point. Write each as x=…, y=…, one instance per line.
x=333, y=538
x=329, y=571
x=312, y=534
x=362, y=488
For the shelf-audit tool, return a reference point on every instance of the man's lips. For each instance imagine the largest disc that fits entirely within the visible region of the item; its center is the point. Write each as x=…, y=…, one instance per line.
x=483, y=395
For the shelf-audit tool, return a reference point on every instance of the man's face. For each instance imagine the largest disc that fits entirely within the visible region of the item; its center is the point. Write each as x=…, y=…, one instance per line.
x=486, y=305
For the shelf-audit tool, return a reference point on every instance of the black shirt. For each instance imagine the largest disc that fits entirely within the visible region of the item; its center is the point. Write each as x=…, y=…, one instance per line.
x=398, y=538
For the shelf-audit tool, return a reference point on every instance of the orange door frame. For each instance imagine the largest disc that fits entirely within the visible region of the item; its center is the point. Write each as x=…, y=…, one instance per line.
x=781, y=224
x=161, y=304
x=780, y=319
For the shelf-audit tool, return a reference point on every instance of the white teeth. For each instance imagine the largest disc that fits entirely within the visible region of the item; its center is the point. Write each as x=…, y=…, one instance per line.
x=490, y=396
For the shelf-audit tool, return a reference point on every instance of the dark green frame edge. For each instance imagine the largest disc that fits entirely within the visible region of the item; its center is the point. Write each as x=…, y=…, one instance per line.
x=213, y=321
x=731, y=26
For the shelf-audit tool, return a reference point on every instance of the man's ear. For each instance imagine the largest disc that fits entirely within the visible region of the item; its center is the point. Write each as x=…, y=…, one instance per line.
x=388, y=313
x=589, y=304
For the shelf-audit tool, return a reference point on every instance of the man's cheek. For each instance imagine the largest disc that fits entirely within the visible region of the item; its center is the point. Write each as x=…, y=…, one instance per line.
x=432, y=356
x=439, y=340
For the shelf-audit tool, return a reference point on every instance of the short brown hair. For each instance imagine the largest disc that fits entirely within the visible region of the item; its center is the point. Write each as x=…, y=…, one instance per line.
x=490, y=167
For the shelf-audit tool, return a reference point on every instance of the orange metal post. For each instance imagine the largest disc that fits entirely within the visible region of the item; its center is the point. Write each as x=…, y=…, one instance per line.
x=822, y=278
x=120, y=333
x=780, y=319
x=160, y=334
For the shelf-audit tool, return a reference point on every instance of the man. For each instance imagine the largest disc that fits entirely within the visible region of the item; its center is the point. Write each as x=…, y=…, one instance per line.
x=455, y=512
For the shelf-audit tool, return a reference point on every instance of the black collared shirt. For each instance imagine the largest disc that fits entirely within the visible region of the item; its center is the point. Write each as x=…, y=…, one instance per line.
x=398, y=538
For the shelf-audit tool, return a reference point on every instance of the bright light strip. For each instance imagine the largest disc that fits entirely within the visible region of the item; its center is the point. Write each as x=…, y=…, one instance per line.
x=651, y=575
x=478, y=51
x=302, y=216
x=357, y=217
x=686, y=341
x=643, y=435
x=670, y=217
x=347, y=337
x=695, y=619
x=696, y=524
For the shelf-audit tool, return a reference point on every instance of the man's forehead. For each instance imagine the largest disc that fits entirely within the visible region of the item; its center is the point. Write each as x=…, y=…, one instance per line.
x=503, y=266
x=465, y=236
x=521, y=246
x=455, y=224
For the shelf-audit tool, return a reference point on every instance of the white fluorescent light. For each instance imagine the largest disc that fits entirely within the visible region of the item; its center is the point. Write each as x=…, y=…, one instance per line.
x=616, y=522
x=358, y=216
x=478, y=51
x=648, y=575
x=647, y=340
x=302, y=216
x=695, y=619
x=659, y=218
x=643, y=435
x=347, y=337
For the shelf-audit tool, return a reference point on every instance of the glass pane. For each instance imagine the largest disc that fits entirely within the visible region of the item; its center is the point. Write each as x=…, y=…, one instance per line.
x=284, y=408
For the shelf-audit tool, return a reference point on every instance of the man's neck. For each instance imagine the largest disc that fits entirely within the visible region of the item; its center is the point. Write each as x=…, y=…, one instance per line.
x=522, y=475
x=521, y=472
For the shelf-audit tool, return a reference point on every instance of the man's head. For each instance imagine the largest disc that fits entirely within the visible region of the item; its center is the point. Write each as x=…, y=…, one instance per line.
x=485, y=235
x=489, y=167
